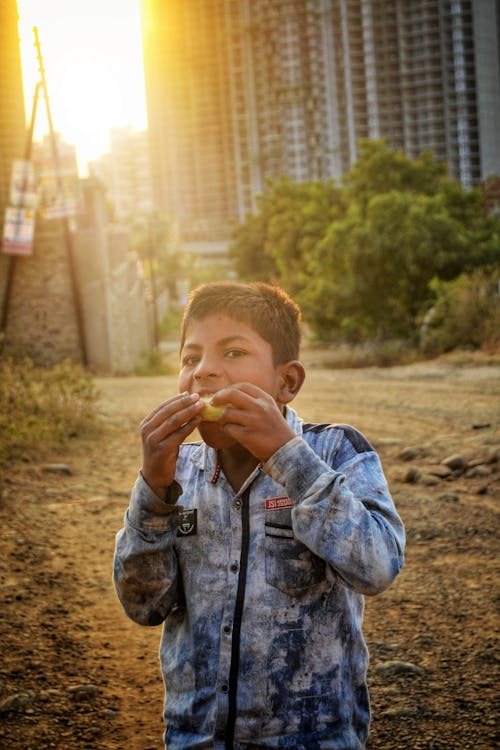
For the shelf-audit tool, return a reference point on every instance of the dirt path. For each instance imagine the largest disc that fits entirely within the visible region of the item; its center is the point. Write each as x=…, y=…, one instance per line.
x=75, y=673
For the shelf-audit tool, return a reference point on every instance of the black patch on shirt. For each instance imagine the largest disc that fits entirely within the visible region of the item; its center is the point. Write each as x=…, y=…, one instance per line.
x=188, y=522
x=356, y=439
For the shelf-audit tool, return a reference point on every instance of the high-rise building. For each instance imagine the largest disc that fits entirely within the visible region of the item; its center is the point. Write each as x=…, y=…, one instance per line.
x=239, y=91
x=191, y=113
x=12, y=113
x=126, y=173
x=428, y=78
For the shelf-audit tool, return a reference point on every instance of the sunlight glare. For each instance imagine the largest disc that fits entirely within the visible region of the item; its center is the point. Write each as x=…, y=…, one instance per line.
x=93, y=62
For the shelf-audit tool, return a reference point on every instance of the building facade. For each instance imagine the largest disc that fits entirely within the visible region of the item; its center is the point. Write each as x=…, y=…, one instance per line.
x=239, y=91
x=12, y=112
x=126, y=173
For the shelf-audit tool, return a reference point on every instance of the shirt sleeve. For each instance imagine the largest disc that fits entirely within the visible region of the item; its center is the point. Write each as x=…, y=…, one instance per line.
x=145, y=571
x=345, y=515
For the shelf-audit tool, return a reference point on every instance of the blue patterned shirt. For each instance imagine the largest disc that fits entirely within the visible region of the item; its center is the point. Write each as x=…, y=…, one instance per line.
x=260, y=591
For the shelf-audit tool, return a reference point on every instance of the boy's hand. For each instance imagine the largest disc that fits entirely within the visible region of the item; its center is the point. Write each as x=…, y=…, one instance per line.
x=162, y=433
x=254, y=419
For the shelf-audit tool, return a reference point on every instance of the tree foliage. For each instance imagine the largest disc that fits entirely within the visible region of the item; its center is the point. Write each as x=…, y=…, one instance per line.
x=154, y=239
x=466, y=313
x=361, y=256
x=291, y=219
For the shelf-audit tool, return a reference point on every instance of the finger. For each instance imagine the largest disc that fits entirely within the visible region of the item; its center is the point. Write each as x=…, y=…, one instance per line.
x=239, y=395
x=184, y=431
x=167, y=422
x=167, y=408
x=163, y=405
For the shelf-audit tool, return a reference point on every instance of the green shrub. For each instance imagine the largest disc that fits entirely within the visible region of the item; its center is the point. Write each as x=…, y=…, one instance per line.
x=466, y=313
x=41, y=408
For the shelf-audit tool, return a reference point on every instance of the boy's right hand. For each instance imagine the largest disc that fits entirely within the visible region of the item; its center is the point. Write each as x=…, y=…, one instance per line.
x=162, y=433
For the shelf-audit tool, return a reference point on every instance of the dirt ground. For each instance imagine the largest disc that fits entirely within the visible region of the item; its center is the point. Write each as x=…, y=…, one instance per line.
x=76, y=673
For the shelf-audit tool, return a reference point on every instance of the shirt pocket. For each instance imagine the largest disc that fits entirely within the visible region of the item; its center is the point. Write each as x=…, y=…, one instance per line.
x=290, y=566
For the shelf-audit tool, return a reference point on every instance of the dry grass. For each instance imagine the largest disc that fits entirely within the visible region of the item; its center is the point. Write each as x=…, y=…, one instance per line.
x=43, y=407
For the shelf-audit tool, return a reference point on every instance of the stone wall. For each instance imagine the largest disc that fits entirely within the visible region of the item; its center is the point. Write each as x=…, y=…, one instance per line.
x=112, y=300
x=42, y=322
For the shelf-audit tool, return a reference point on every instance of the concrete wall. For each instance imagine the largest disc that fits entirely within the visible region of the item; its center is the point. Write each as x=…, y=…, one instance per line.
x=115, y=311
x=41, y=322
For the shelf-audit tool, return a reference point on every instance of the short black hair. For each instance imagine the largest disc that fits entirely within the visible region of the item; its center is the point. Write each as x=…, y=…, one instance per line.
x=264, y=307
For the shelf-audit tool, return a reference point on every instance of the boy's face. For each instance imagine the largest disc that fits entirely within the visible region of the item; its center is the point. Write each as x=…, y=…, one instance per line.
x=218, y=352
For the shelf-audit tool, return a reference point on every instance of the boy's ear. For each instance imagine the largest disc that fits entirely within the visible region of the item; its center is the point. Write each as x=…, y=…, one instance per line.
x=292, y=377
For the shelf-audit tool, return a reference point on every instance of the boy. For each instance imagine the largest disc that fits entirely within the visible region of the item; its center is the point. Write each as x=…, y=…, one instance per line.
x=255, y=547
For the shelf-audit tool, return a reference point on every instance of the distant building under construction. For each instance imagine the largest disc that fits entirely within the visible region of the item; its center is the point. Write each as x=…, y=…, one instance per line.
x=243, y=90
x=126, y=173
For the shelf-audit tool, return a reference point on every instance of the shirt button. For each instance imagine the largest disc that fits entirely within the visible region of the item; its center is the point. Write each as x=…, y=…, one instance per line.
x=227, y=629
x=234, y=567
x=237, y=503
x=224, y=688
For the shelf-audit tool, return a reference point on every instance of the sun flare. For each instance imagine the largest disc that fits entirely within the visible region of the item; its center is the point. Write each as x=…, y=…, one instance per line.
x=93, y=62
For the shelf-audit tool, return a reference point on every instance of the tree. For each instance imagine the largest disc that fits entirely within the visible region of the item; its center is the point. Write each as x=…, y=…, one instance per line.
x=360, y=258
x=380, y=169
x=292, y=217
x=154, y=239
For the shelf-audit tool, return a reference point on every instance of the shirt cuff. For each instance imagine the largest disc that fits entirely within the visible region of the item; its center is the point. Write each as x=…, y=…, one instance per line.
x=145, y=505
x=296, y=467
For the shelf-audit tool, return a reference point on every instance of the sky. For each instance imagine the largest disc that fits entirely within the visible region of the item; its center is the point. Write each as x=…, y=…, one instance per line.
x=93, y=66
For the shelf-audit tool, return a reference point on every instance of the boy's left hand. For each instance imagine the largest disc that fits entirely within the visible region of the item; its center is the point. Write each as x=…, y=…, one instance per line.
x=254, y=419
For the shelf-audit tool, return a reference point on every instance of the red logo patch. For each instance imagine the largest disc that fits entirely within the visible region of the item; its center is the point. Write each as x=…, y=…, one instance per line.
x=276, y=503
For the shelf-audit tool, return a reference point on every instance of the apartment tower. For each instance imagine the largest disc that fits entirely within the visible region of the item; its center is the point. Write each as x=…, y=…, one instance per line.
x=239, y=91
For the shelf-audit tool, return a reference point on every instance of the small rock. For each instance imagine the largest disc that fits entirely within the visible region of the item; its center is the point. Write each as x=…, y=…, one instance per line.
x=449, y=497
x=110, y=713
x=49, y=694
x=479, y=461
x=409, y=454
x=438, y=470
x=456, y=462
x=478, y=471
x=412, y=476
x=398, y=668
x=429, y=480
x=494, y=455
x=18, y=703
x=83, y=692
x=57, y=468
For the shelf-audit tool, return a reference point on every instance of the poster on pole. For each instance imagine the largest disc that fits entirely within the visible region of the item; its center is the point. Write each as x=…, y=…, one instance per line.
x=18, y=231
x=23, y=185
x=58, y=181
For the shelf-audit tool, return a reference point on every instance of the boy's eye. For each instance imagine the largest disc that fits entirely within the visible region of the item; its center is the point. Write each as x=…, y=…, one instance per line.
x=189, y=360
x=235, y=353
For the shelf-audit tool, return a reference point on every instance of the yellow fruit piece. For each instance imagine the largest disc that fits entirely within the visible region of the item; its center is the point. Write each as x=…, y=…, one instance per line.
x=211, y=413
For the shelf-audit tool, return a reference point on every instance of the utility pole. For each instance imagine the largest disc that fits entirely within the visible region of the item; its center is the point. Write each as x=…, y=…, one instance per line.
x=60, y=187
x=42, y=86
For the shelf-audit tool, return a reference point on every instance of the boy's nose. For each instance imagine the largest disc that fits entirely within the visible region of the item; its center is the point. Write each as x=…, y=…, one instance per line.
x=206, y=368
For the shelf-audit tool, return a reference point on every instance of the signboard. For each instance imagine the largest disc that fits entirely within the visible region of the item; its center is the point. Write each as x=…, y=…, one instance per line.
x=18, y=231
x=19, y=225
x=58, y=182
x=23, y=186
